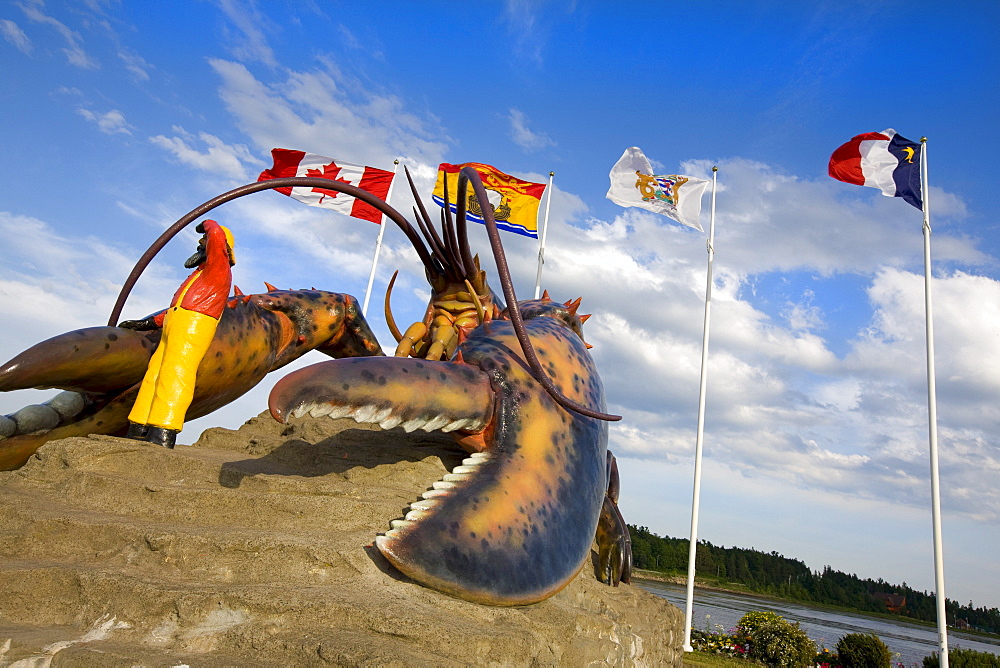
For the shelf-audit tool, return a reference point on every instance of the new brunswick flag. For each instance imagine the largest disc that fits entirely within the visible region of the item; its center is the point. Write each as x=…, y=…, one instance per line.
x=514, y=202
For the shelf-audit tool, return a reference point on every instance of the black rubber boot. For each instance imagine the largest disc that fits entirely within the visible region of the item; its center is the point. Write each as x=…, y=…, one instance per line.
x=137, y=431
x=162, y=436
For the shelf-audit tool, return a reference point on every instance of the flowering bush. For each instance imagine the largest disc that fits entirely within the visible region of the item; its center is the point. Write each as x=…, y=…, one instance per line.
x=772, y=640
x=826, y=659
x=716, y=642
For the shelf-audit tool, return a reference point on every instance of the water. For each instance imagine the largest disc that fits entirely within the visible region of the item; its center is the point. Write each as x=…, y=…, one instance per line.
x=909, y=642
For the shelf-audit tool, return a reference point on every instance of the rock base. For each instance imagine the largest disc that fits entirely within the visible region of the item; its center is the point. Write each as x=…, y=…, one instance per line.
x=255, y=547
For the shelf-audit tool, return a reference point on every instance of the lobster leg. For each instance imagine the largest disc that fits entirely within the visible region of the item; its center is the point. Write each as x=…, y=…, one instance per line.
x=107, y=418
x=614, y=545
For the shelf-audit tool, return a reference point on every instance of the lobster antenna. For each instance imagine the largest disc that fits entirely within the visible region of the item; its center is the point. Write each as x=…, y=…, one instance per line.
x=427, y=227
x=469, y=175
x=462, y=232
x=448, y=232
x=432, y=240
x=248, y=189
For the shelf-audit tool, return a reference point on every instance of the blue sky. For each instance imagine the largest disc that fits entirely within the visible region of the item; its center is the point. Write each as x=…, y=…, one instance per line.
x=118, y=118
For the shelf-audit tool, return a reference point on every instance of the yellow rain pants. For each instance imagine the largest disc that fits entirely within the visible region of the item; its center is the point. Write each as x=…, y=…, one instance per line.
x=168, y=386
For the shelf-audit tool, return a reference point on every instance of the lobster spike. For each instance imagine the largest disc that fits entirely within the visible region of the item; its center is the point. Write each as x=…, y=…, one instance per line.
x=459, y=357
x=478, y=276
x=236, y=291
x=480, y=313
x=270, y=288
x=574, y=304
x=585, y=317
x=588, y=345
x=545, y=295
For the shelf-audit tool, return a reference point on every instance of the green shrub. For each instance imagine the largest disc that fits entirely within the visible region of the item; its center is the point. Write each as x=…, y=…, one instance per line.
x=772, y=640
x=863, y=650
x=964, y=658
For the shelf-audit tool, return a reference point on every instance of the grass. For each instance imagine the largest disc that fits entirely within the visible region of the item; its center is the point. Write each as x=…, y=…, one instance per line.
x=705, y=659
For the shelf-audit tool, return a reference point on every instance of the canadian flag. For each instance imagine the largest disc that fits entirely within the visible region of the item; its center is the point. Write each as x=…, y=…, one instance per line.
x=299, y=163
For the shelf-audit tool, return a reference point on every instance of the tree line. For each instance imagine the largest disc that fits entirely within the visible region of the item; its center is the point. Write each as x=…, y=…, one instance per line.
x=775, y=575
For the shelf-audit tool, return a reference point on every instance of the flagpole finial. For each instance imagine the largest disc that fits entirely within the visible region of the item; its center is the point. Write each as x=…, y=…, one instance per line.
x=923, y=140
x=395, y=162
x=552, y=173
x=714, y=168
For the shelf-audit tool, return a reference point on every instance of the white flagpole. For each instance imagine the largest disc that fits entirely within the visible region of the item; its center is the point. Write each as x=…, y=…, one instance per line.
x=932, y=419
x=699, y=439
x=541, y=243
x=378, y=242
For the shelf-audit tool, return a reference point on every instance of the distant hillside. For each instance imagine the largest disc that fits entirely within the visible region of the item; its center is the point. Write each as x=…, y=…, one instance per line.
x=775, y=575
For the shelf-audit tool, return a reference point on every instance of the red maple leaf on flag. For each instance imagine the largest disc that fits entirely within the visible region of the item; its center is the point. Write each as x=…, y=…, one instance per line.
x=328, y=172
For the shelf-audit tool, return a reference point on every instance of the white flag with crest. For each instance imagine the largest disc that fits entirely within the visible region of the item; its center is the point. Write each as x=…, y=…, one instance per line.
x=634, y=184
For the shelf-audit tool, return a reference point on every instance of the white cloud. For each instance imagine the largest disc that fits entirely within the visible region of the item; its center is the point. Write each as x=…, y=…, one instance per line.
x=217, y=157
x=803, y=315
x=522, y=136
x=321, y=112
x=967, y=339
x=110, y=122
x=781, y=404
x=769, y=221
x=15, y=36
x=55, y=283
x=525, y=31
x=251, y=44
x=74, y=50
x=135, y=64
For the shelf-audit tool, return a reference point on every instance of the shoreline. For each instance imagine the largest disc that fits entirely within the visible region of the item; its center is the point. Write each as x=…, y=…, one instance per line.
x=654, y=576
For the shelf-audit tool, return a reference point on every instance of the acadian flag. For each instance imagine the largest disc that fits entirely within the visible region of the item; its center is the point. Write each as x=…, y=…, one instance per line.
x=883, y=160
x=515, y=202
x=634, y=184
x=298, y=163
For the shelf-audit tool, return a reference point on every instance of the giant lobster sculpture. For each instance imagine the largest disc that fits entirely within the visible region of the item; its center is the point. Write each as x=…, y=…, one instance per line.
x=516, y=388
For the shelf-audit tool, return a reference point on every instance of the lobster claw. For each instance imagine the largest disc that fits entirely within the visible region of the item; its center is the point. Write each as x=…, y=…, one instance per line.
x=614, y=544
